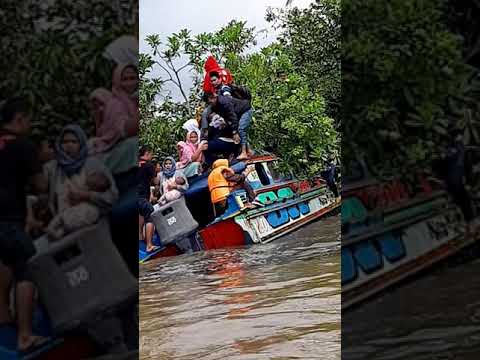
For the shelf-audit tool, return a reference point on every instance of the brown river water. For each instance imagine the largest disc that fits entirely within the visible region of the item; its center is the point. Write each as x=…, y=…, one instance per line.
x=433, y=316
x=275, y=301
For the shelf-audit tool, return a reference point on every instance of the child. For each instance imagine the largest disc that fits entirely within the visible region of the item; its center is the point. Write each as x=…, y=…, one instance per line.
x=38, y=215
x=170, y=192
x=81, y=215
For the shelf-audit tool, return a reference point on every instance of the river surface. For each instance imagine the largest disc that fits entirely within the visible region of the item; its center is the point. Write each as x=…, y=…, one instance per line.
x=275, y=301
x=435, y=316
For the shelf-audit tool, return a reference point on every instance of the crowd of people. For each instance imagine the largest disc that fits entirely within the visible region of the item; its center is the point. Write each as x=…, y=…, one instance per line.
x=213, y=141
x=51, y=189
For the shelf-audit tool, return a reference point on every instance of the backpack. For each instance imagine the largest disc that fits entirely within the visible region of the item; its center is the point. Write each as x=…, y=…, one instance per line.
x=241, y=92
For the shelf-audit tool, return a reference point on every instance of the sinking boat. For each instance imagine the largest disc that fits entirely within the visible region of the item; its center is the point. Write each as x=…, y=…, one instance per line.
x=393, y=230
x=287, y=205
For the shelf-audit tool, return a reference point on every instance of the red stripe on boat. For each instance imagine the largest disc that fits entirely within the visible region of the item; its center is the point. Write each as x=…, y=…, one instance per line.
x=223, y=234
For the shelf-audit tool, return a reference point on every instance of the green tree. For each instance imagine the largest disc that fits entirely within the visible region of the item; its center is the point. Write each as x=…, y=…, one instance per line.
x=313, y=37
x=402, y=73
x=54, y=56
x=290, y=119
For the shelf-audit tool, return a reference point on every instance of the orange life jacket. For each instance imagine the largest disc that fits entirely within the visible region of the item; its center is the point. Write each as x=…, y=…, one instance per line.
x=217, y=184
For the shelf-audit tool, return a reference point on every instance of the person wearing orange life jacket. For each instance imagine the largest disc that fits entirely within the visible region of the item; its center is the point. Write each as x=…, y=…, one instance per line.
x=223, y=180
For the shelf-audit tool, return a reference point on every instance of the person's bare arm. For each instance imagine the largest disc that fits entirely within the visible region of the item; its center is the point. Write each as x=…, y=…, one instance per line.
x=198, y=153
x=228, y=172
x=230, y=176
x=248, y=171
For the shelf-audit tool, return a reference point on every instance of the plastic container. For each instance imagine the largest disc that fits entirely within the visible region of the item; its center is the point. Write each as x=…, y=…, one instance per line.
x=81, y=277
x=174, y=221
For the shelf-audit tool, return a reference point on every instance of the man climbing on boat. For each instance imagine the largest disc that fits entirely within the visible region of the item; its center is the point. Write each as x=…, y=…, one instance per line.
x=237, y=113
x=218, y=81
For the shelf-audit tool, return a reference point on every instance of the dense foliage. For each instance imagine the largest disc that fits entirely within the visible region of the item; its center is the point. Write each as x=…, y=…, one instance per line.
x=406, y=86
x=313, y=37
x=291, y=114
x=53, y=55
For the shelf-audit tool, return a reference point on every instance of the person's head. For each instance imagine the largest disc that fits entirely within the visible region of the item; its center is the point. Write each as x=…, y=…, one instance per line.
x=211, y=99
x=179, y=180
x=125, y=79
x=215, y=79
x=146, y=153
x=98, y=99
x=70, y=144
x=158, y=167
x=168, y=164
x=98, y=182
x=169, y=167
x=71, y=150
x=45, y=151
x=220, y=162
x=129, y=79
x=192, y=137
x=15, y=116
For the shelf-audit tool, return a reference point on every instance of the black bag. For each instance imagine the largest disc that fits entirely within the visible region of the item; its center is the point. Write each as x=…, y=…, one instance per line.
x=241, y=92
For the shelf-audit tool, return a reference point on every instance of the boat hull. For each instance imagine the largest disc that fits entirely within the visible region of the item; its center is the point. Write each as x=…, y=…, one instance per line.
x=254, y=226
x=412, y=234
x=287, y=205
x=267, y=224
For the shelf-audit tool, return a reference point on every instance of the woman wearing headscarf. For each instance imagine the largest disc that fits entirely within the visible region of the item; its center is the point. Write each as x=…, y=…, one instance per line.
x=67, y=174
x=168, y=177
x=120, y=114
x=99, y=98
x=191, y=125
x=116, y=141
x=190, y=153
x=125, y=88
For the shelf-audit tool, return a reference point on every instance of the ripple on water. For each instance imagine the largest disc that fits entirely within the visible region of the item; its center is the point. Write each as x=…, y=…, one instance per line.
x=275, y=301
x=438, y=319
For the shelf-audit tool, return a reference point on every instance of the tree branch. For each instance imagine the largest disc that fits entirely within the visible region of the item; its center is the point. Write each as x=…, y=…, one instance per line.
x=184, y=66
x=164, y=69
x=179, y=82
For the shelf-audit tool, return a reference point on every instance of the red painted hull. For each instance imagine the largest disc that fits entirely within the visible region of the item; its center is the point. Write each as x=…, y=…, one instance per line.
x=222, y=235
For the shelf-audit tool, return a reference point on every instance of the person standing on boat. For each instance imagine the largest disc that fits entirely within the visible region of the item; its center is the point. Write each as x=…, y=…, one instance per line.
x=452, y=170
x=237, y=113
x=216, y=80
x=146, y=177
x=20, y=167
x=223, y=180
x=329, y=176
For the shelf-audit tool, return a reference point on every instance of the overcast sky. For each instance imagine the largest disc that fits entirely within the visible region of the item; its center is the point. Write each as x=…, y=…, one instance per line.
x=164, y=17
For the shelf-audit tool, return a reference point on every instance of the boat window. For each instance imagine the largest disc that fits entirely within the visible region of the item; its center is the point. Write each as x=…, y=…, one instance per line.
x=275, y=172
x=262, y=174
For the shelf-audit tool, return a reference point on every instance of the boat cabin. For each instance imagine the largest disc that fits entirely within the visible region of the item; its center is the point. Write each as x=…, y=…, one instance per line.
x=268, y=183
